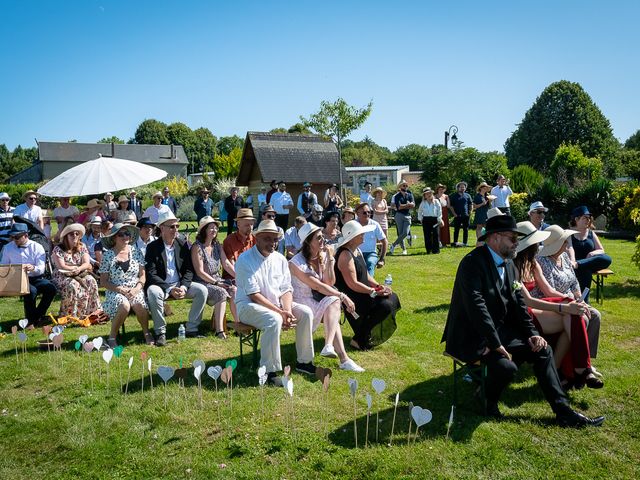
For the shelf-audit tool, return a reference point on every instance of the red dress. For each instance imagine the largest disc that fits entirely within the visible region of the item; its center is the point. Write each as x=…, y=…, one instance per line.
x=579, y=355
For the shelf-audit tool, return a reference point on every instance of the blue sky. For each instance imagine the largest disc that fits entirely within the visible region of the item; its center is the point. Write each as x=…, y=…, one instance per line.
x=86, y=69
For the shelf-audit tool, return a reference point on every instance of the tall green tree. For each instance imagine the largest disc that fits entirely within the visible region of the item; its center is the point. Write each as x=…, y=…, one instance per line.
x=464, y=164
x=414, y=155
x=151, y=132
x=112, y=139
x=563, y=113
x=204, y=148
x=227, y=144
x=365, y=153
x=633, y=142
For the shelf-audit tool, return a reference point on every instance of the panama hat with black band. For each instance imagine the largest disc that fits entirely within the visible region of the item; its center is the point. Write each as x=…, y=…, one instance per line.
x=533, y=236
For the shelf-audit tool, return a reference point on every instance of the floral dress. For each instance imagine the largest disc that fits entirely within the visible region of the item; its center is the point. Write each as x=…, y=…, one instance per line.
x=562, y=278
x=212, y=265
x=79, y=295
x=122, y=274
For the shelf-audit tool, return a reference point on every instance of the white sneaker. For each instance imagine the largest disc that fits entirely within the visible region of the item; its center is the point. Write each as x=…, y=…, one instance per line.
x=404, y=252
x=351, y=366
x=328, y=351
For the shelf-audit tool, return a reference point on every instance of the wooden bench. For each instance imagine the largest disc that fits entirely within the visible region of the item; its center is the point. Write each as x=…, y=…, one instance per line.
x=249, y=336
x=599, y=280
x=478, y=373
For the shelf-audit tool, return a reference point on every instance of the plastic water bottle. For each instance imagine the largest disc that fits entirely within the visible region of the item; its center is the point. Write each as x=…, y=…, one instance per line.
x=182, y=332
x=388, y=280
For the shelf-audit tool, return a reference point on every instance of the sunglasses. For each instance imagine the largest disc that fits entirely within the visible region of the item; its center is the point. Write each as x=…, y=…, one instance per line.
x=4, y=199
x=32, y=198
x=124, y=234
x=540, y=212
x=270, y=216
x=175, y=226
x=513, y=238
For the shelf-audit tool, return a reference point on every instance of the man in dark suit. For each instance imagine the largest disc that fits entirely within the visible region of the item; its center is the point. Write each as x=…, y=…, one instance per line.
x=135, y=205
x=488, y=321
x=169, y=201
x=170, y=274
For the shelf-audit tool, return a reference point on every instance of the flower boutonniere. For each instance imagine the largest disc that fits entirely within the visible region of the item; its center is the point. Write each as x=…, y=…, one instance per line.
x=516, y=286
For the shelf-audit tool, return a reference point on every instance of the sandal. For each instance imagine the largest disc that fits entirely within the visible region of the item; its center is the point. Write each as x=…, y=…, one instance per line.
x=221, y=335
x=589, y=379
x=148, y=339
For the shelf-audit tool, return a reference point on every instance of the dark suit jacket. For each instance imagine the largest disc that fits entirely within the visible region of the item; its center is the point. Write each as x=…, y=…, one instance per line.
x=171, y=203
x=138, y=208
x=156, y=268
x=481, y=314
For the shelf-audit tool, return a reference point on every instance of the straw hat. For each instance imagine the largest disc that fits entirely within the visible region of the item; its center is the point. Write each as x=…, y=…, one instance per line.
x=378, y=189
x=494, y=212
x=165, y=217
x=244, y=213
x=461, y=183
x=29, y=193
x=402, y=182
x=108, y=241
x=95, y=220
x=306, y=230
x=532, y=236
x=483, y=185
x=95, y=203
x=352, y=229
x=427, y=190
x=73, y=227
x=268, y=226
x=555, y=241
x=157, y=195
x=130, y=218
x=123, y=198
x=439, y=186
x=204, y=221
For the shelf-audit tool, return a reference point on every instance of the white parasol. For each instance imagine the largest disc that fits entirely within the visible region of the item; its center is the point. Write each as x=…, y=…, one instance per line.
x=104, y=174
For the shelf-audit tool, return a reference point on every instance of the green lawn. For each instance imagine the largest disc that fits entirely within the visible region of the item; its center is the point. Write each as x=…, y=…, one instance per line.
x=55, y=425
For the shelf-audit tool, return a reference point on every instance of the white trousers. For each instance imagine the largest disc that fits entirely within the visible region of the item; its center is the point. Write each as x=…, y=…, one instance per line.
x=270, y=324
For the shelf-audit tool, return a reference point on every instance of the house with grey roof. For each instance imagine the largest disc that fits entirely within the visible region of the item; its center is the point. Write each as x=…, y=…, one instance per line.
x=294, y=158
x=57, y=157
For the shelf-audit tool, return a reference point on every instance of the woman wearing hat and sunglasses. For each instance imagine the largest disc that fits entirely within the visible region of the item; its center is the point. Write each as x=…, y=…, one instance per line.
x=122, y=274
x=554, y=314
x=312, y=279
x=208, y=258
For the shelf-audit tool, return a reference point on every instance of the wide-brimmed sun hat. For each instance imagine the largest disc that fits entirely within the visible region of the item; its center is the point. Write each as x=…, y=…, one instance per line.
x=352, y=229
x=268, y=226
x=72, y=227
x=108, y=241
x=95, y=220
x=306, y=230
x=95, y=203
x=166, y=217
x=204, y=221
x=123, y=199
x=483, y=185
x=494, y=212
x=157, y=195
x=557, y=237
x=28, y=193
x=378, y=189
x=533, y=236
x=498, y=224
x=245, y=213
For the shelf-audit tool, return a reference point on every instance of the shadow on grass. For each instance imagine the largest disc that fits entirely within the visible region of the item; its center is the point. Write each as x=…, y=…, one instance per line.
x=433, y=308
x=627, y=289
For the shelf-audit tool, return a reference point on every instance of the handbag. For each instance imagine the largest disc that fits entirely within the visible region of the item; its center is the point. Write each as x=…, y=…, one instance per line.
x=317, y=296
x=13, y=280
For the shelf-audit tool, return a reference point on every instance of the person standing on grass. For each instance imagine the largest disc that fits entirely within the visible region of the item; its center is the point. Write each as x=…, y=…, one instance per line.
x=481, y=205
x=370, y=239
x=203, y=205
x=6, y=215
x=403, y=202
x=365, y=194
x=502, y=192
x=232, y=204
x=135, y=204
x=154, y=211
x=488, y=322
x=306, y=201
x=460, y=205
x=282, y=203
x=430, y=215
x=264, y=300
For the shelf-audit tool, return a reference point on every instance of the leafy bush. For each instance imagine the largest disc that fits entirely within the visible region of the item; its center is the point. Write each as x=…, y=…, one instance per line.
x=519, y=203
x=185, y=208
x=571, y=167
x=525, y=179
x=595, y=195
x=618, y=195
x=553, y=196
x=629, y=214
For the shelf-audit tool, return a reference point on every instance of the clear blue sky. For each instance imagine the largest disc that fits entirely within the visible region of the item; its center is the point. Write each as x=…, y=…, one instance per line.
x=87, y=69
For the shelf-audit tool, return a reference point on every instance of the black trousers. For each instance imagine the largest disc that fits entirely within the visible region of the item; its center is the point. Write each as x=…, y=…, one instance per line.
x=505, y=210
x=501, y=371
x=431, y=231
x=282, y=221
x=461, y=221
x=38, y=285
x=230, y=223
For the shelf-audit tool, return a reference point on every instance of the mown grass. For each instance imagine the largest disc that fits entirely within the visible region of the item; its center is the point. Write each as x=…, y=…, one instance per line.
x=54, y=425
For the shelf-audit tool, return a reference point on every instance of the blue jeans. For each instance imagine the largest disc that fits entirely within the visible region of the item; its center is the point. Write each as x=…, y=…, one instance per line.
x=587, y=267
x=403, y=226
x=372, y=260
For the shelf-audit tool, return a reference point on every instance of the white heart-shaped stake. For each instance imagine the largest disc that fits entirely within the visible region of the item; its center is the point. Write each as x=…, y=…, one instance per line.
x=378, y=385
x=52, y=336
x=214, y=372
x=421, y=416
x=22, y=336
x=353, y=386
x=287, y=383
x=203, y=366
x=149, y=365
x=262, y=379
x=165, y=373
x=369, y=401
x=107, y=355
x=23, y=323
x=262, y=371
x=58, y=329
x=130, y=362
x=197, y=372
x=83, y=338
x=397, y=398
x=97, y=343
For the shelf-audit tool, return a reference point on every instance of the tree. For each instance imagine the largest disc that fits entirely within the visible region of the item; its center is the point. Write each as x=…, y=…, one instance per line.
x=16, y=161
x=227, y=144
x=112, y=139
x=227, y=165
x=633, y=142
x=563, y=113
x=337, y=120
x=151, y=132
x=365, y=153
x=204, y=148
x=572, y=168
x=413, y=155
x=298, y=128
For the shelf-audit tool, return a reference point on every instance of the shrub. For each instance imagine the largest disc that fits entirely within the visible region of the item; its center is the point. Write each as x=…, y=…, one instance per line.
x=519, y=203
x=185, y=208
x=571, y=167
x=629, y=214
x=595, y=195
x=618, y=195
x=525, y=179
x=554, y=197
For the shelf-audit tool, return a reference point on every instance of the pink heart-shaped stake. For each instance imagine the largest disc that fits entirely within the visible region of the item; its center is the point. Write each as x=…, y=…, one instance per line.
x=143, y=356
x=14, y=329
x=57, y=340
x=46, y=330
x=224, y=376
x=287, y=371
x=88, y=346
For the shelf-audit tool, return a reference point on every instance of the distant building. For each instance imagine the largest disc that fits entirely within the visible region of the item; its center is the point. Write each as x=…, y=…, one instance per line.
x=292, y=157
x=57, y=157
x=377, y=176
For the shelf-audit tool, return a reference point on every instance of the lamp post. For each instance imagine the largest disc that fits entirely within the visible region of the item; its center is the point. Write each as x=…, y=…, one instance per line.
x=453, y=130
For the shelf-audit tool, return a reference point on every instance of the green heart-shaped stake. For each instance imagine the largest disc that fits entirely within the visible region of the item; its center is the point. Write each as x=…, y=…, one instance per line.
x=233, y=363
x=118, y=351
x=78, y=345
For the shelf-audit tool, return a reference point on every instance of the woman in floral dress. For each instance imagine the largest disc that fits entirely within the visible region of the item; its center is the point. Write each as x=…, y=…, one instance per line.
x=78, y=289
